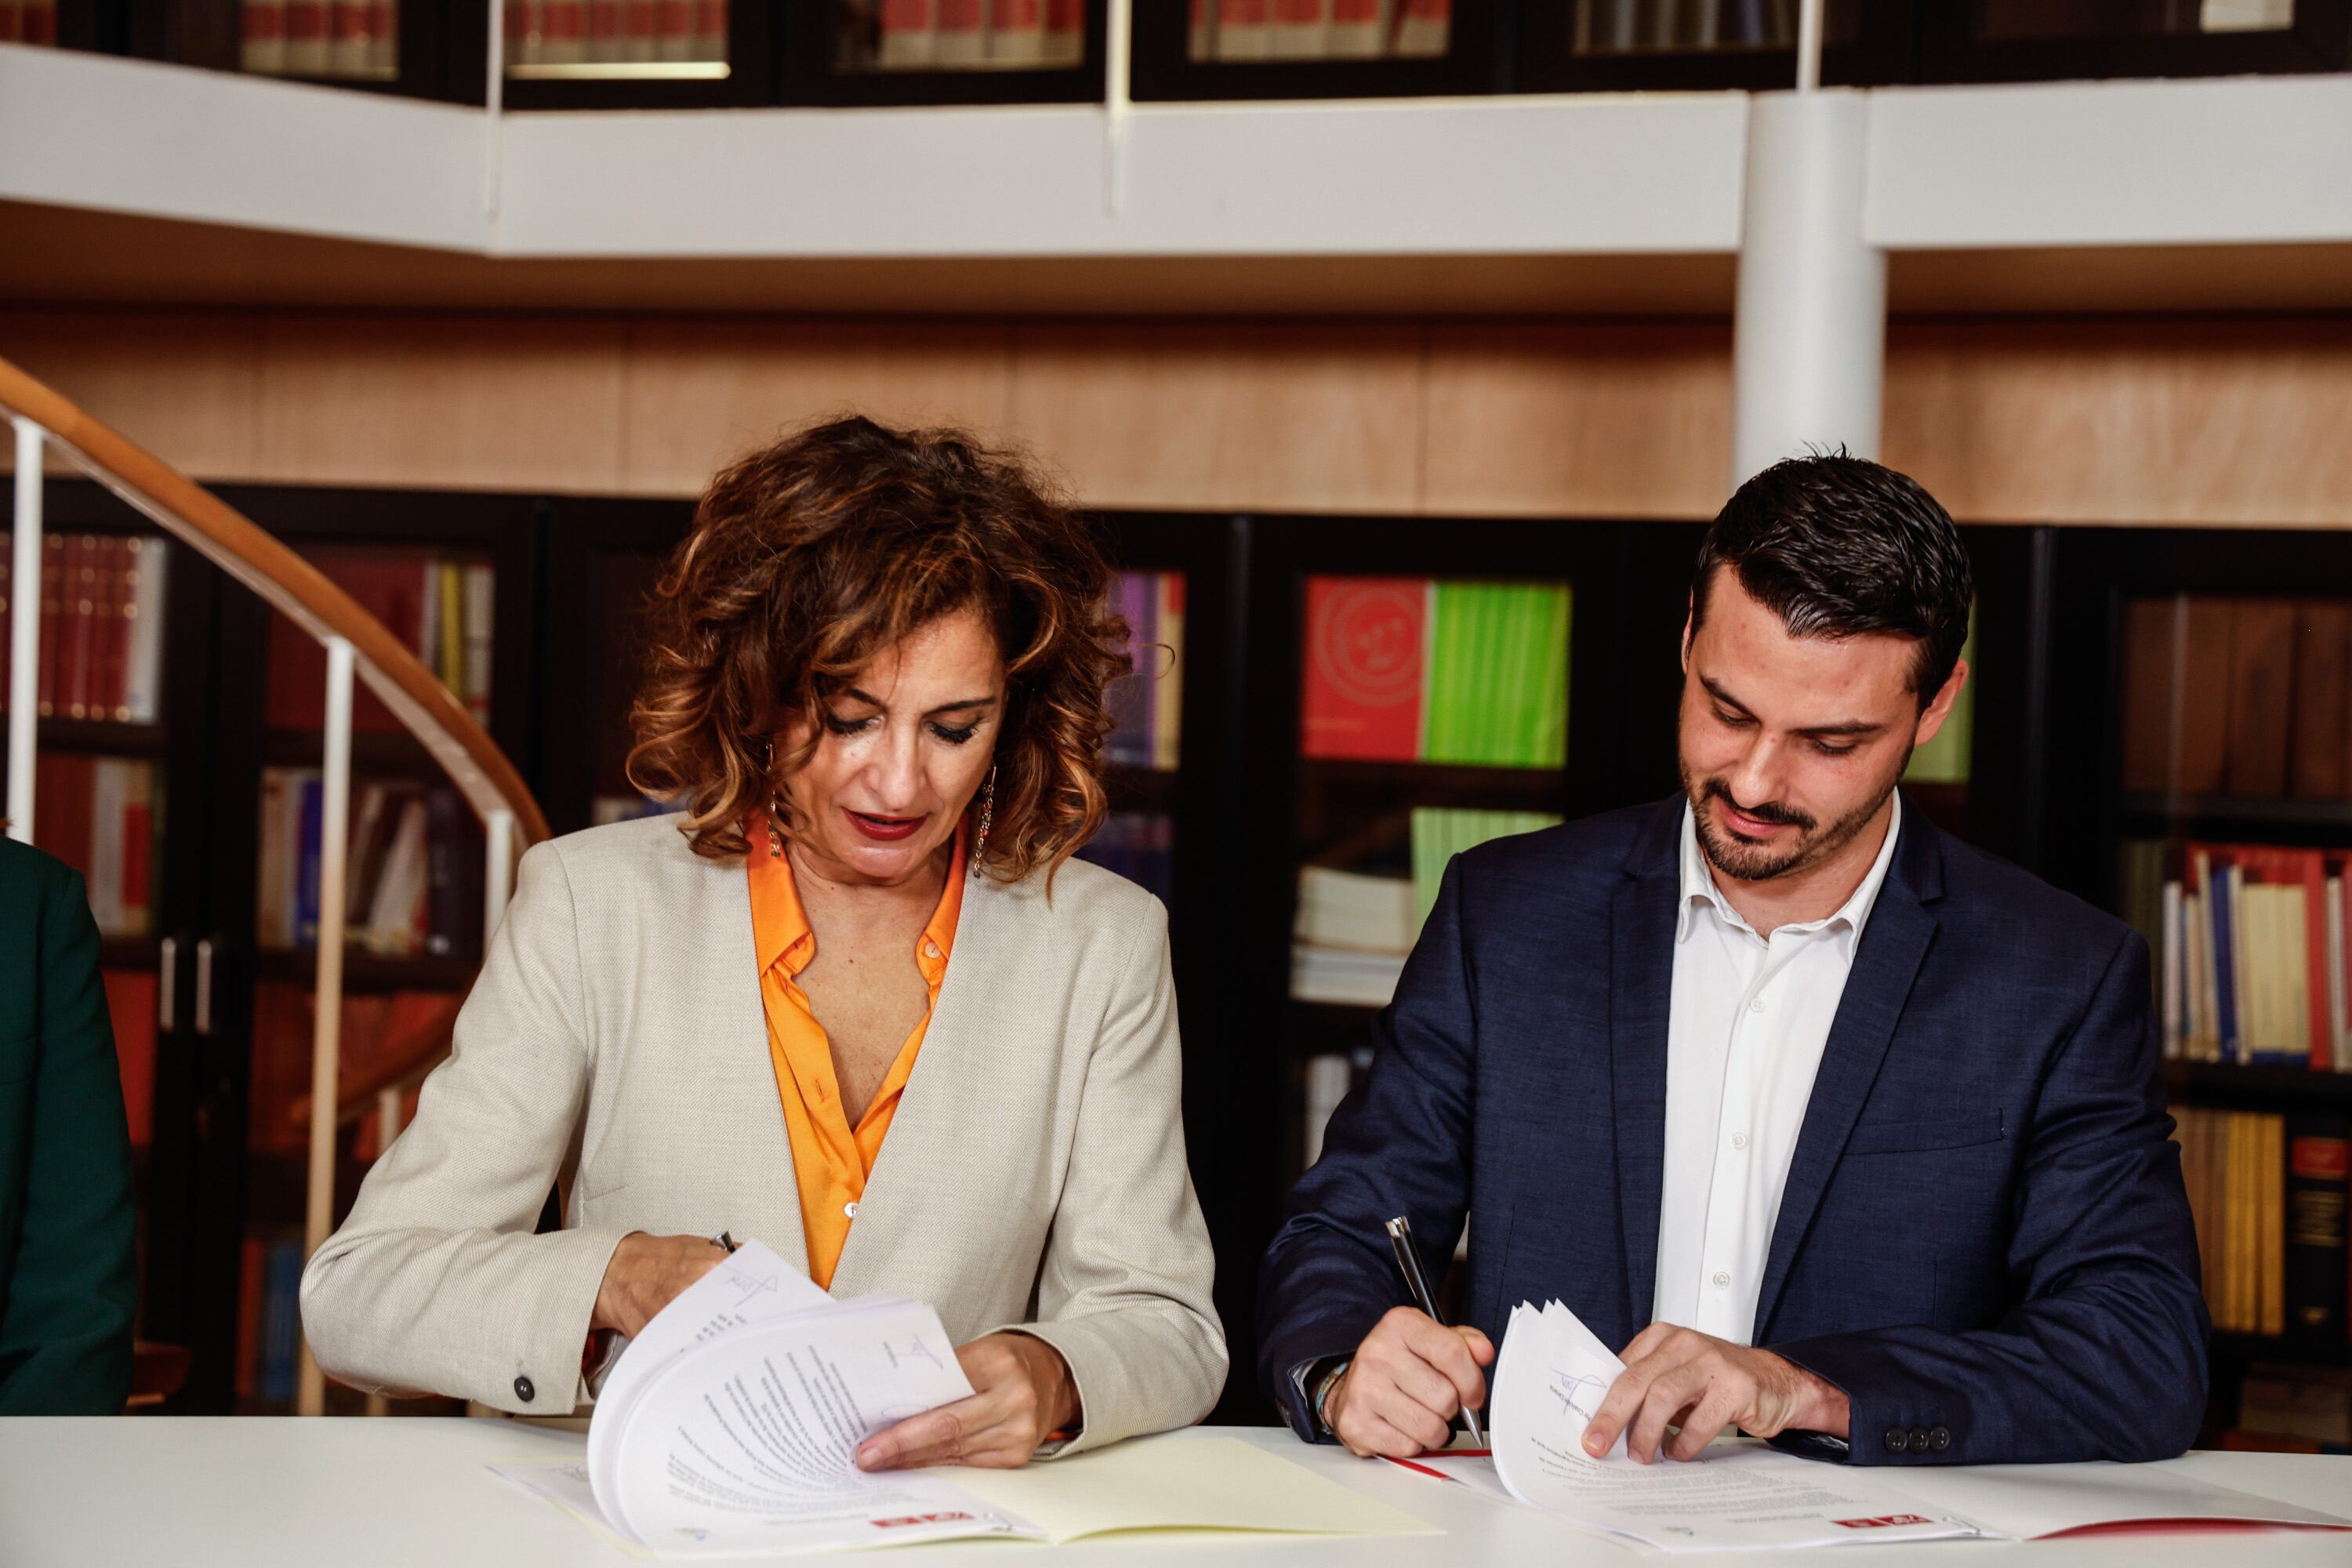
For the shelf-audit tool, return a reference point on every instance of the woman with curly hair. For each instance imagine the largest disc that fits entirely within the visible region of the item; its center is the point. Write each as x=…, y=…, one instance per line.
x=857, y=1001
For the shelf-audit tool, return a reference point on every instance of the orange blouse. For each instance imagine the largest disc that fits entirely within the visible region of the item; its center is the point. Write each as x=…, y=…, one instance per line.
x=831, y=1160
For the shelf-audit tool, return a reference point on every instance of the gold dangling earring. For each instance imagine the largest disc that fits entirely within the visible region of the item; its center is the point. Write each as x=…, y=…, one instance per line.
x=775, y=834
x=987, y=816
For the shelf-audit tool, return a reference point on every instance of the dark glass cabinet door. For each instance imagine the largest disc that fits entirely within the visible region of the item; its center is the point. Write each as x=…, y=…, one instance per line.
x=1632, y=45
x=2027, y=40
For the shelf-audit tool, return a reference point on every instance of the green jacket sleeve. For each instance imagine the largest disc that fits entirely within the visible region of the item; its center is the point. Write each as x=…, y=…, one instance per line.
x=68, y=1281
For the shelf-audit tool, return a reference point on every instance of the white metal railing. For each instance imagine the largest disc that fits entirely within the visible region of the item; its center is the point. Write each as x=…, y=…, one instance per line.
x=357, y=646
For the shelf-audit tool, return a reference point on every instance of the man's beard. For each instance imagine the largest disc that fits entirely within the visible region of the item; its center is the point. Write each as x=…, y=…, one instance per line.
x=1757, y=863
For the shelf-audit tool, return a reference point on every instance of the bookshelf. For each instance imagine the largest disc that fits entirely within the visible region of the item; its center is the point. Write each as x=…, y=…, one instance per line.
x=1190, y=50
x=872, y=53
x=2031, y=40
x=2212, y=806
x=120, y=799
x=617, y=54
x=237, y=1228
x=1614, y=46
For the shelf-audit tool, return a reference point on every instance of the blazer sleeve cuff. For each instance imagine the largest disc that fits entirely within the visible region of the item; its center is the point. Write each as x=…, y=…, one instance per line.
x=1123, y=1371
x=544, y=1376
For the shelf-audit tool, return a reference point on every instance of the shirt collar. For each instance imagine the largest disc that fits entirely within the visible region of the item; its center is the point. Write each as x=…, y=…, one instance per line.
x=1698, y=887
x=780, y=927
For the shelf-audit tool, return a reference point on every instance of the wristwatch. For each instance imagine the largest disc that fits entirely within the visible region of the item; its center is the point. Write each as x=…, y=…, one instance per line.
x=1322, y=1390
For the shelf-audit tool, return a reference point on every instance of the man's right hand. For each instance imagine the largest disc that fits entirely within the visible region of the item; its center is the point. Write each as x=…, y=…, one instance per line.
x=645, y=1272
x=1409, y=1377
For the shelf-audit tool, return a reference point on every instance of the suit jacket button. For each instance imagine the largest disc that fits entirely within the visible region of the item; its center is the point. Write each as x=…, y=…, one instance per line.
x=523, y=1390
x=1897, y=1439
x=1940, y=1438
x=1919, y=1439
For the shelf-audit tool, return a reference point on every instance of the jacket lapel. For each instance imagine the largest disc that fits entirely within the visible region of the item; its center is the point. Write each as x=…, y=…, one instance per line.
x=744, y=1070
x=932, y=1123
x=1642, y=964
x=1894, y=944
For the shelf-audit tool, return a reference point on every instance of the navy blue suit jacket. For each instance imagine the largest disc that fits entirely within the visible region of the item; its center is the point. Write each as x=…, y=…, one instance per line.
x=1984, y=1228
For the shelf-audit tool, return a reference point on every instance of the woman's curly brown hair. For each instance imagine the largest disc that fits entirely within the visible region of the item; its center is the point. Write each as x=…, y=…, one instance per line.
x=813, y=555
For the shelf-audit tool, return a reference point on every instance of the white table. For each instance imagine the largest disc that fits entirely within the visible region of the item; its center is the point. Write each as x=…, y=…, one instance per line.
x=410, y=1492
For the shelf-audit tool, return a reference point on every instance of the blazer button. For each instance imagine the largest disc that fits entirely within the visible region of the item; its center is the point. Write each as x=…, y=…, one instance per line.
x=1940, y=1438
x=1897, y=1439
x=1919, y=1439
x=523, y=1390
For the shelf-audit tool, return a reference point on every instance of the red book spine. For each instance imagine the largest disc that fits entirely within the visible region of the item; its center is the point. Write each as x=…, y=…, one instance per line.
x=637, y=42
x=12, y=24
x=138, y=857
x=81, y=627
x=248, y=1316
x=1365, y=659
x=114, y=630
x=53, y=617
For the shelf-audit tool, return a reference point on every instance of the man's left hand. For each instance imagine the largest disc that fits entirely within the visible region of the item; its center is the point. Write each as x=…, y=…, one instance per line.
x=1022, y=1390
x=1679, y=1376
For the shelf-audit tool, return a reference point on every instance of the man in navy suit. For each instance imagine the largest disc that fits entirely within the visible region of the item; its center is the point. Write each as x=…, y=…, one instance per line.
x=1850, y=1134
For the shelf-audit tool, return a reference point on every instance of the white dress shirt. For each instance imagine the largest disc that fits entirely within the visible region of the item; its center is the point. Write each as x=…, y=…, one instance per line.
x=1750, y=1019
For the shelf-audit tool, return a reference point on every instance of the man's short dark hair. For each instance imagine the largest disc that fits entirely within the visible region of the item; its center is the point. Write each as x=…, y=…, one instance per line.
x=1840, y=547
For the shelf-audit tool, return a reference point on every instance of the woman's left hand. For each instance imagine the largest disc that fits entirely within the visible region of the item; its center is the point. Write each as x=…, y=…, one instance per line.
x=1022, y=1390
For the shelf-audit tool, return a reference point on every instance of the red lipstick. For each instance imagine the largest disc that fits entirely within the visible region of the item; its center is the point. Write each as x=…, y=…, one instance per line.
x=887, y=829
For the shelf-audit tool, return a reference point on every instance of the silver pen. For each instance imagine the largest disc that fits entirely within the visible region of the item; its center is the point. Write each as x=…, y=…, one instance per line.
x=1408, y=1264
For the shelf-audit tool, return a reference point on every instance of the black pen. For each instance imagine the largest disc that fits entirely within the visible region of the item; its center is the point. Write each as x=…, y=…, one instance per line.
x=1408, y=1264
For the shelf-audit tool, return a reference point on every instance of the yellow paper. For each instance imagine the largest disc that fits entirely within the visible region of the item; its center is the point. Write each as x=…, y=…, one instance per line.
x=1184, y=1483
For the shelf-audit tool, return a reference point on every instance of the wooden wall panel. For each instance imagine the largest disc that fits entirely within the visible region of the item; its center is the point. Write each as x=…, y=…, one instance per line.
x=1579, y=418
x=700, y=393
x=2213, y=421
x=2161, y=420
x=457, y=402
x=1284, y=415
x=186, y=386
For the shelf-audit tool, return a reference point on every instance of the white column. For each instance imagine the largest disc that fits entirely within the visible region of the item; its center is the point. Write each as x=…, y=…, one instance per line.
x=1808, y=341
x=327, y=1025
x=24, y=633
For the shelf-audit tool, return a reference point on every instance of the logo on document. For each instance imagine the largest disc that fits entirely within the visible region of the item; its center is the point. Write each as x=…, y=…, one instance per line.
x=921, y=1519
x=1882, y=1521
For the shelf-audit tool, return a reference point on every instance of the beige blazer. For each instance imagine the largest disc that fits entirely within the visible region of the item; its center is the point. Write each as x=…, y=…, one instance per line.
x=1034, y=1175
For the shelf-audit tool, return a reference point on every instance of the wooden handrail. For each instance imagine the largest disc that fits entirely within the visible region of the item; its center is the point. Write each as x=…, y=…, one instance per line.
x=301, y=592
x=295, y=589
x=406, y=1062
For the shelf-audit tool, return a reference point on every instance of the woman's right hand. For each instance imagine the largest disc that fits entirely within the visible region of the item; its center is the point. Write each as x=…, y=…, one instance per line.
x=646, y=1273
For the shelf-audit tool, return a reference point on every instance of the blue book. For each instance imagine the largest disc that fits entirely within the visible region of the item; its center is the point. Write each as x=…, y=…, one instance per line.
x=306, y=864
x=2221, y=891
x=280, y=1320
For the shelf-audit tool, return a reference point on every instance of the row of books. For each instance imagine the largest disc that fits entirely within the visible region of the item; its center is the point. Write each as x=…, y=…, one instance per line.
x=374, y=1025
x=2269, y=1194
x=2251, y=945
x=544, y=33
x=443, y=610
x=1140, y=846
x=2238, y=696
x=962, y=35
x=1405, y=670
x=410, y=876
x=1354, y=929
x=346, y=38
x=1148, y=706
x=28, y=22
x=1319, y=29
x=101, y=608
x=1644, y=27
x=100, y=816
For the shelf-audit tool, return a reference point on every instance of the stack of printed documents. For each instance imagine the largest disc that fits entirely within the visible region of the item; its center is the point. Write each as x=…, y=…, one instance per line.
x=731, y=1424
x=1552, y=1374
